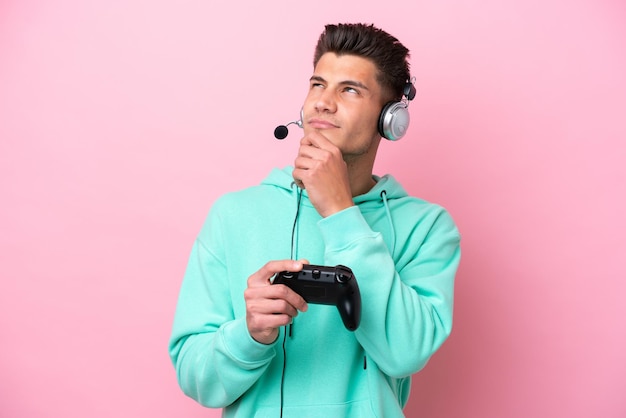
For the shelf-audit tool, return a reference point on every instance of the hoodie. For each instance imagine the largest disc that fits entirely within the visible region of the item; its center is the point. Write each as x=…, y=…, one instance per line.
x=404, y=253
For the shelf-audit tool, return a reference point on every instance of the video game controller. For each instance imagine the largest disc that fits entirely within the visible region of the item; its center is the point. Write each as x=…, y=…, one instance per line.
x=327, y=286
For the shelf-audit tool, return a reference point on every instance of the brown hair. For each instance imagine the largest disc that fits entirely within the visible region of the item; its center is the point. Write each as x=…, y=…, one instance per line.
x=367, y=41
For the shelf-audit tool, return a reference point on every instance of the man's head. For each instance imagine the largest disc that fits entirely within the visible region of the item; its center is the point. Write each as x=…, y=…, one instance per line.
x=387, y=53
x=357, y=70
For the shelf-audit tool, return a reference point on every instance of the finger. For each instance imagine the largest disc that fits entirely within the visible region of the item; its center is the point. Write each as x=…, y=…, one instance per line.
x=280, y=292
x=304, y=163
x=260, y=323
x=264, y=274
x=271, y=300
x=313, y=153
x=299, y=183
x=291, y=298
x=317, y=140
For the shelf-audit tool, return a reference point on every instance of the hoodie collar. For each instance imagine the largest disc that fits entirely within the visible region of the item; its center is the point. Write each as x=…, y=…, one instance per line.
x=282, y=178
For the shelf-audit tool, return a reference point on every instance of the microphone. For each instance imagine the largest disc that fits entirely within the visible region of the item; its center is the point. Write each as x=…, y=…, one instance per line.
x=281, y=131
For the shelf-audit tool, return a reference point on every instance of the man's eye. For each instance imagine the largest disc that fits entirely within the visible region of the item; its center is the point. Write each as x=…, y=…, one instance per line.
x=351, y=90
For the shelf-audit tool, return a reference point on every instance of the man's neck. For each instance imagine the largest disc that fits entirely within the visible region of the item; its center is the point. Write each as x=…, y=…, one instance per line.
x=361, y=178
x=363, y=187
x=360, y=170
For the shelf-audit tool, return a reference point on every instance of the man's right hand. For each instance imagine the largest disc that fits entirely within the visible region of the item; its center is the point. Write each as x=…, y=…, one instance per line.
x=268, y=307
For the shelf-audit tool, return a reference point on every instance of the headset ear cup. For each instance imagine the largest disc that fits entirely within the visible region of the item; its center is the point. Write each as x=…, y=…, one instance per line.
x=382, y=118
x=393, y=121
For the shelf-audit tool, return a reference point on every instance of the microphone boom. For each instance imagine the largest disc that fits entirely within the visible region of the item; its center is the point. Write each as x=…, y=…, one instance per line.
x=281, y=131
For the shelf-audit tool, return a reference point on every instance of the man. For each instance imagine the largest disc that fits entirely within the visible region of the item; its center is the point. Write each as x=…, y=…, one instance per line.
x=255, y=348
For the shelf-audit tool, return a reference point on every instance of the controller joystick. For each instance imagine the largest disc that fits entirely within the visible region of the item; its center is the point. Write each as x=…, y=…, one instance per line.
x=327, y=286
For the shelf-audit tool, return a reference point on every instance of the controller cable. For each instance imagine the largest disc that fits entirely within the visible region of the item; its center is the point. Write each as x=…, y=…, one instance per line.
x=293, y=253
x=295, y=223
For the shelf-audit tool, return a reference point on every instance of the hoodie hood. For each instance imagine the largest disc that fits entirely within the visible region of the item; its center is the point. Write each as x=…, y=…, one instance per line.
x=386, y=188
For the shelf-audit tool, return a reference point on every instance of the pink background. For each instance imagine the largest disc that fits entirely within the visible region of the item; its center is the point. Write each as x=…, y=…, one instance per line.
x=122, y=121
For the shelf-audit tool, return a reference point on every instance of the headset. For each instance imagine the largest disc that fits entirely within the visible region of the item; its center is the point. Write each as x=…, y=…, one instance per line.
x=394, y=118
x=392, y=123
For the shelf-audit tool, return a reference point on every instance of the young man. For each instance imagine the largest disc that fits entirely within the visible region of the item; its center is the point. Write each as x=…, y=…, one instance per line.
x=255, y=348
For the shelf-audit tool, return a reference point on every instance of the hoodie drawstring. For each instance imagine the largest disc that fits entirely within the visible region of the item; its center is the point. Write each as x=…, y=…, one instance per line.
x=383, y=195
x=294, y=242
x=294, y=247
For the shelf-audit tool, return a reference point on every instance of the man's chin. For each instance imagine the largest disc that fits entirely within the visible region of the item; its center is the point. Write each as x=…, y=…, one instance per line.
x=326, y=133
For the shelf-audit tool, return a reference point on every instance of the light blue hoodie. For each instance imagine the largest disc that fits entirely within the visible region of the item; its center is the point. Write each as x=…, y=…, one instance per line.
x=404, y=253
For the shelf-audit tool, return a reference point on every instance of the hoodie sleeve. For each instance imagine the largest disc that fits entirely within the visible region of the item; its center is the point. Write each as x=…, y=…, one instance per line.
x=406, y=303
x=215, y=358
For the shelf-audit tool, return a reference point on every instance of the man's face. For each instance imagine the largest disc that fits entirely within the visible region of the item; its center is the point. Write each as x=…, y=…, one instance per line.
x=344, y=103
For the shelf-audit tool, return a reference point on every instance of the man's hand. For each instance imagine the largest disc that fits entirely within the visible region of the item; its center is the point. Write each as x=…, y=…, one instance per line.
x=321, y=170
x=268, y=306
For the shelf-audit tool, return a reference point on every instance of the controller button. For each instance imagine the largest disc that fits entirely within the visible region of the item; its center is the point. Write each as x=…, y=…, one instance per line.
x=316, y=274
x=343, y=278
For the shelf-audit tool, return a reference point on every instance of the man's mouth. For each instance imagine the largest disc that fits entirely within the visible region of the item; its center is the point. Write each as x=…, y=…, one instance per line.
x=321, y=124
